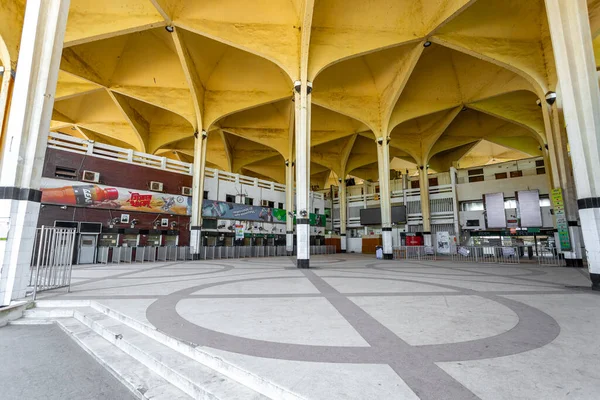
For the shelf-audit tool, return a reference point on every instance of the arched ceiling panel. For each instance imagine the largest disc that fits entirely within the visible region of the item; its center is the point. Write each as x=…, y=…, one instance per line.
x=269, y=28
x=98, y=112
x=12, y=13
x=507, y=31
x=93, y=20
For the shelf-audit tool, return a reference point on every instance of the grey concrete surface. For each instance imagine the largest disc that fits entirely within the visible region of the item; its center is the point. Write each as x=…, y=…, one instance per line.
x=42, y=362
x=354, y=327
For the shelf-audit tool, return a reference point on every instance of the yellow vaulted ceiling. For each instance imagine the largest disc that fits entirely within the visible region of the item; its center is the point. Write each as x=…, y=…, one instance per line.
x=228, y=67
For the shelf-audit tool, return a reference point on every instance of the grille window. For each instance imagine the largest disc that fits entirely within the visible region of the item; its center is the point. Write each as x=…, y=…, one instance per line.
x=65, y=173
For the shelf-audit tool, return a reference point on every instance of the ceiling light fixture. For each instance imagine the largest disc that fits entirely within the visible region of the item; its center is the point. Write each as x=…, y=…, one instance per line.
x=427, y=44
x=169, y=28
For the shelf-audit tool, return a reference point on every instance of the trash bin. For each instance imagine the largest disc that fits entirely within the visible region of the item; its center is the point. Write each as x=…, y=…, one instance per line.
x=379, y=252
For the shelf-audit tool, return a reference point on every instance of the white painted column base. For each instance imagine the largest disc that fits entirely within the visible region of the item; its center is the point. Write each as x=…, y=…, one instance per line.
x=303, y=251
x=16, y=252
x=574, y=258
x=289, y=242
x=195, y=241
x=590, y=229
x=388, y=250
x=343, y=243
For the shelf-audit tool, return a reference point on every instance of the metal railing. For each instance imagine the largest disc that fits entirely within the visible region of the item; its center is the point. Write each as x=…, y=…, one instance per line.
x=414, y=253
x=52, y=259
x=461, y=254
x=550, y=257
x=143, y=254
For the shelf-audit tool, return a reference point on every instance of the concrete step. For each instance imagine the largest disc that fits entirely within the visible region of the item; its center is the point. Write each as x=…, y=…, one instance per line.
x=143, y=382
x=178, y=363
x=197, y=353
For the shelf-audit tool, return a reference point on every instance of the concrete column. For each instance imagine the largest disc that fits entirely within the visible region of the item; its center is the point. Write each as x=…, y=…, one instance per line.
x=343, y=214
x=289, y=206
x=5, y=93
x=302, y=105
x=562, y=177
x=453, y=176
x=576, y=70
x=25, y=139
x=424, y=187
x=383, y=162
x=198, y=172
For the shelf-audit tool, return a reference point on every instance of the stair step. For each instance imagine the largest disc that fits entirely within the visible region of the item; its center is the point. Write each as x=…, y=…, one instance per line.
x=187, y=369
x=188, y=375
x=233, y=371
x=143, y=382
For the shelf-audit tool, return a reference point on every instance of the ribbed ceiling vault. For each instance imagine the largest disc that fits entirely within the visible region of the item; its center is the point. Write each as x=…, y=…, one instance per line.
x=227, y=67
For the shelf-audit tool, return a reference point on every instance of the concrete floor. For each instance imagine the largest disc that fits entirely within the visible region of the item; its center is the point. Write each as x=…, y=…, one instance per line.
x=358, y=328
x=43, y=363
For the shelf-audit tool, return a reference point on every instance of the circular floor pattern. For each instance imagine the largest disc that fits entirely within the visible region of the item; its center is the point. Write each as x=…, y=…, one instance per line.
x=533, y=330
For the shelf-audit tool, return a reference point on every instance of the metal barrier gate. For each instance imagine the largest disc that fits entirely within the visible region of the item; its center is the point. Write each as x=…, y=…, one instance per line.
x=52, y=259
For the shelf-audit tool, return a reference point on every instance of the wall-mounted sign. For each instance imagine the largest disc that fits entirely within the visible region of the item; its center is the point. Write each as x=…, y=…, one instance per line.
x=443, y=242
x=239, y=232
x=164, y=222
x=242, y=212
x=56, y=191
x=124, y=218
x=530, y=211
x=494, y=210
x=558, y=204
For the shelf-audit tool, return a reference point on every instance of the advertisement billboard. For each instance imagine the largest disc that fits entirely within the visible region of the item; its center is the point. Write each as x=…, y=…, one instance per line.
x=81, y=194
x=243, y=212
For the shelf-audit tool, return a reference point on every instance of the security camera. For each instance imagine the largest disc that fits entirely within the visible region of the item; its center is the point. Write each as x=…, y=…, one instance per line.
x=538, y=102
x=550, y=98
x=287, y=163
x=297, y=86
x=380, y=140
x=204, y=135
x=303, y=213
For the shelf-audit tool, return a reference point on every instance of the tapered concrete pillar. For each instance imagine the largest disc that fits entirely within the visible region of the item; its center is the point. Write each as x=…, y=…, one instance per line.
x=6, y=84
x=383, y=162
x=25, y=139
x=199, y=169
x=289, y=206
x=562, y=182
x=425, y=210
x=453, y=181
x=576, y=69
x=343, y=214
x=302, y=104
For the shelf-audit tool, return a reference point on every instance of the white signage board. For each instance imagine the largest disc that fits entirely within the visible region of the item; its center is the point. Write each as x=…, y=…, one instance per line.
x=443, y=242
x=494, y=208
x=529, y=208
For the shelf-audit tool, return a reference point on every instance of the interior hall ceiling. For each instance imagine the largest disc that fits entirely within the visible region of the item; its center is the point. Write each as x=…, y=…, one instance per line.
x=437, y=78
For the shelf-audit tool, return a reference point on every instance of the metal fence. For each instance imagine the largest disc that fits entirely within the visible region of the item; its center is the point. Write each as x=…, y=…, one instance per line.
x=482, y=254
x=462, y=254
x=183, y=253
x=52, y=259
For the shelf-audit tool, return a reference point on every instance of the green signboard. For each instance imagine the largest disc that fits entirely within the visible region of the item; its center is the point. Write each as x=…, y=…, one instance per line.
x=562, y=225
